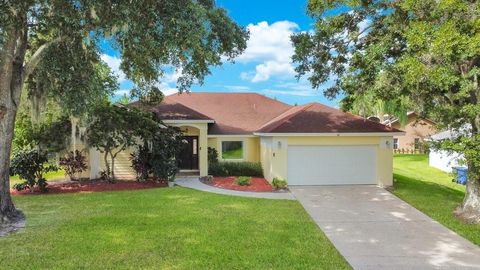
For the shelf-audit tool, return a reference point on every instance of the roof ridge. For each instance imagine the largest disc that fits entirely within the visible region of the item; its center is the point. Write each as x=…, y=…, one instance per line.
x=287, y=117
x=357, y=116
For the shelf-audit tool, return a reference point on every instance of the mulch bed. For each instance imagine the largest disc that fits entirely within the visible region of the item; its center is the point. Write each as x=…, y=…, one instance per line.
x=257, y=184
x=92, y=186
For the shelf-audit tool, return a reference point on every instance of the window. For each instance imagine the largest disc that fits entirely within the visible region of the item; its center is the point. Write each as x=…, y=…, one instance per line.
x=232, y=150
x=416, y=145
x=395, y=143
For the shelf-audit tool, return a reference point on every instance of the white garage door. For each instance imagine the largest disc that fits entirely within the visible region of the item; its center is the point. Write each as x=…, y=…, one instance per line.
x=331, y=165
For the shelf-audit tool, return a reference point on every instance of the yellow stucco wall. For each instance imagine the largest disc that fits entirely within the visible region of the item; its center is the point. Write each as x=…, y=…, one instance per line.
x=274, y=152
x=251, y=147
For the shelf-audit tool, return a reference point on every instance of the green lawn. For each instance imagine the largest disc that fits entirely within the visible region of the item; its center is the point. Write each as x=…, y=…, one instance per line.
x=50, y=176
x=170, y=228
x=432, y=192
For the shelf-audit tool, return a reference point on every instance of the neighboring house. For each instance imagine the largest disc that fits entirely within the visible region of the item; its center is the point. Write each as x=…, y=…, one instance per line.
x=442, y=159
x=417, y=130
x=310, y=144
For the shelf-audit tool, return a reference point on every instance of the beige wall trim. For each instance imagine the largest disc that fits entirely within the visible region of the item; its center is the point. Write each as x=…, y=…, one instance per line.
x=231, y=136
x=376, y=134
x=187, y=121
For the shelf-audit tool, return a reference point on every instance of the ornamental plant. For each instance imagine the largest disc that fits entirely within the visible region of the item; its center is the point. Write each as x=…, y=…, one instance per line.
x=243, y=181
x=73, y=163
x=30, y=165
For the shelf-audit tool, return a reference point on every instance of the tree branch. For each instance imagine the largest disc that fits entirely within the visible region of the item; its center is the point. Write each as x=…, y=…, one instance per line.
x=37, y=56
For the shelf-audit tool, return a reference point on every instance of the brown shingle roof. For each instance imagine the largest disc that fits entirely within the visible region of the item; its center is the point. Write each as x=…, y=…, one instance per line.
x=233, y=113
x=318, y=118
x=172, y=110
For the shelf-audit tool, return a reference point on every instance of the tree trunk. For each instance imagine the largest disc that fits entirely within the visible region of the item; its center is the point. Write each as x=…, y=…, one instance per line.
x=105, y=159
x=471, y=203
x=113, y=166
x=470, y=210
x=11, y=82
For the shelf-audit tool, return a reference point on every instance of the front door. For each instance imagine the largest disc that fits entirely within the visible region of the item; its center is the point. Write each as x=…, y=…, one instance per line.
x=188, y=158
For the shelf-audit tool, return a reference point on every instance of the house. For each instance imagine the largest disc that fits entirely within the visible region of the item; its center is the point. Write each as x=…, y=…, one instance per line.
x=310, y=144
x=441, y=159
x=417, y=130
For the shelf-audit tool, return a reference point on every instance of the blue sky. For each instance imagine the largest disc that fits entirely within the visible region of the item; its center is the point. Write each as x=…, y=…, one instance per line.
x=265, y=67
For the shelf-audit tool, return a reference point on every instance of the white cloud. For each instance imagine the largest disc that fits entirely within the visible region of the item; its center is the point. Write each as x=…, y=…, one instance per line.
x=270, y=45
x=114, y=64
x=237, y=88
x=298, y=93
x=270, y=68
x=172, y=77
x=166, y=88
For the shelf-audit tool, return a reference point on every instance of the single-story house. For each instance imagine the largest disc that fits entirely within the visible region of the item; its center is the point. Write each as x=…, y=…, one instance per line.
x=417, y=130
x=441, y=159
x=311, y=144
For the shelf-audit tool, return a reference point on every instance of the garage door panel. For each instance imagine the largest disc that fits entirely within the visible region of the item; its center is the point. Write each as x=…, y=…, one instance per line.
x=331, y=165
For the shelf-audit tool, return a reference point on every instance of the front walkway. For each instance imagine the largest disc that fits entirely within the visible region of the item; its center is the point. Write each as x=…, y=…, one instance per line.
x=373, y=229
x=194, y=183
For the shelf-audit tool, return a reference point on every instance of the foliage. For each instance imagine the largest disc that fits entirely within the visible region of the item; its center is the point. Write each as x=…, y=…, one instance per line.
x=73, y=163
x=157, y=156
x=113, y=129
x=165, y=145
x=50, y=133
x=424, y=51
x=91, y=83
x=141, y=163
x=53, y=48
x=212, y=155
x=30, y=165
x=278, y=183
x=235, y=169
x=124, y=100
x=243, y=180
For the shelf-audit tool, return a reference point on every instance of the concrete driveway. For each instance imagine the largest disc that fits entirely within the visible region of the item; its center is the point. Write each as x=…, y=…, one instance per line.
x=374, y=229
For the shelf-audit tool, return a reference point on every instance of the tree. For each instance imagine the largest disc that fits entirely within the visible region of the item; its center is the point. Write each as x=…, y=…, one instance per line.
x=156, y=156
x=426, y=51
x=150, y=35
x=113, y=129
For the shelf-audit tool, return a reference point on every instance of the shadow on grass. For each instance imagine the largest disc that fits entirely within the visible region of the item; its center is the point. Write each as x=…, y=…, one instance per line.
x=429, y=190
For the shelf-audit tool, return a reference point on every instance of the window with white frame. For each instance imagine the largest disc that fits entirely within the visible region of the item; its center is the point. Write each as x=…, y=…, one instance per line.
x=395, y=143
x=232, y=150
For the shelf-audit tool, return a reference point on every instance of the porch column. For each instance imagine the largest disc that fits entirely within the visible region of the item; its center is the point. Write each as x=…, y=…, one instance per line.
x=203, y=150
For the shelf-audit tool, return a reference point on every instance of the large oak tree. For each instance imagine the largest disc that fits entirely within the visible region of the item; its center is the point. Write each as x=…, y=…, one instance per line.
x=427, y=52
x=55, y=43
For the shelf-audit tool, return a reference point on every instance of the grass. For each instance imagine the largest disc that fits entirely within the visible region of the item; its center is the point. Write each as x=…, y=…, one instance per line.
x=432, y=192
x=170, y=228
x=50, y=176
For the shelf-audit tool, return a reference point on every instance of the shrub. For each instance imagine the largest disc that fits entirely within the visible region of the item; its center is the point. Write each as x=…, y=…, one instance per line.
x=243, y=180
x=73, y=163
x=157, y=156
x=278, y=183
x=30, y=165
x=235, y=169
x=140, y=163
x=212, y=155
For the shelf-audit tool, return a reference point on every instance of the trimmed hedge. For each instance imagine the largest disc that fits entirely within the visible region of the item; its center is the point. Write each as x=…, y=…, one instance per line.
x=235, y=169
